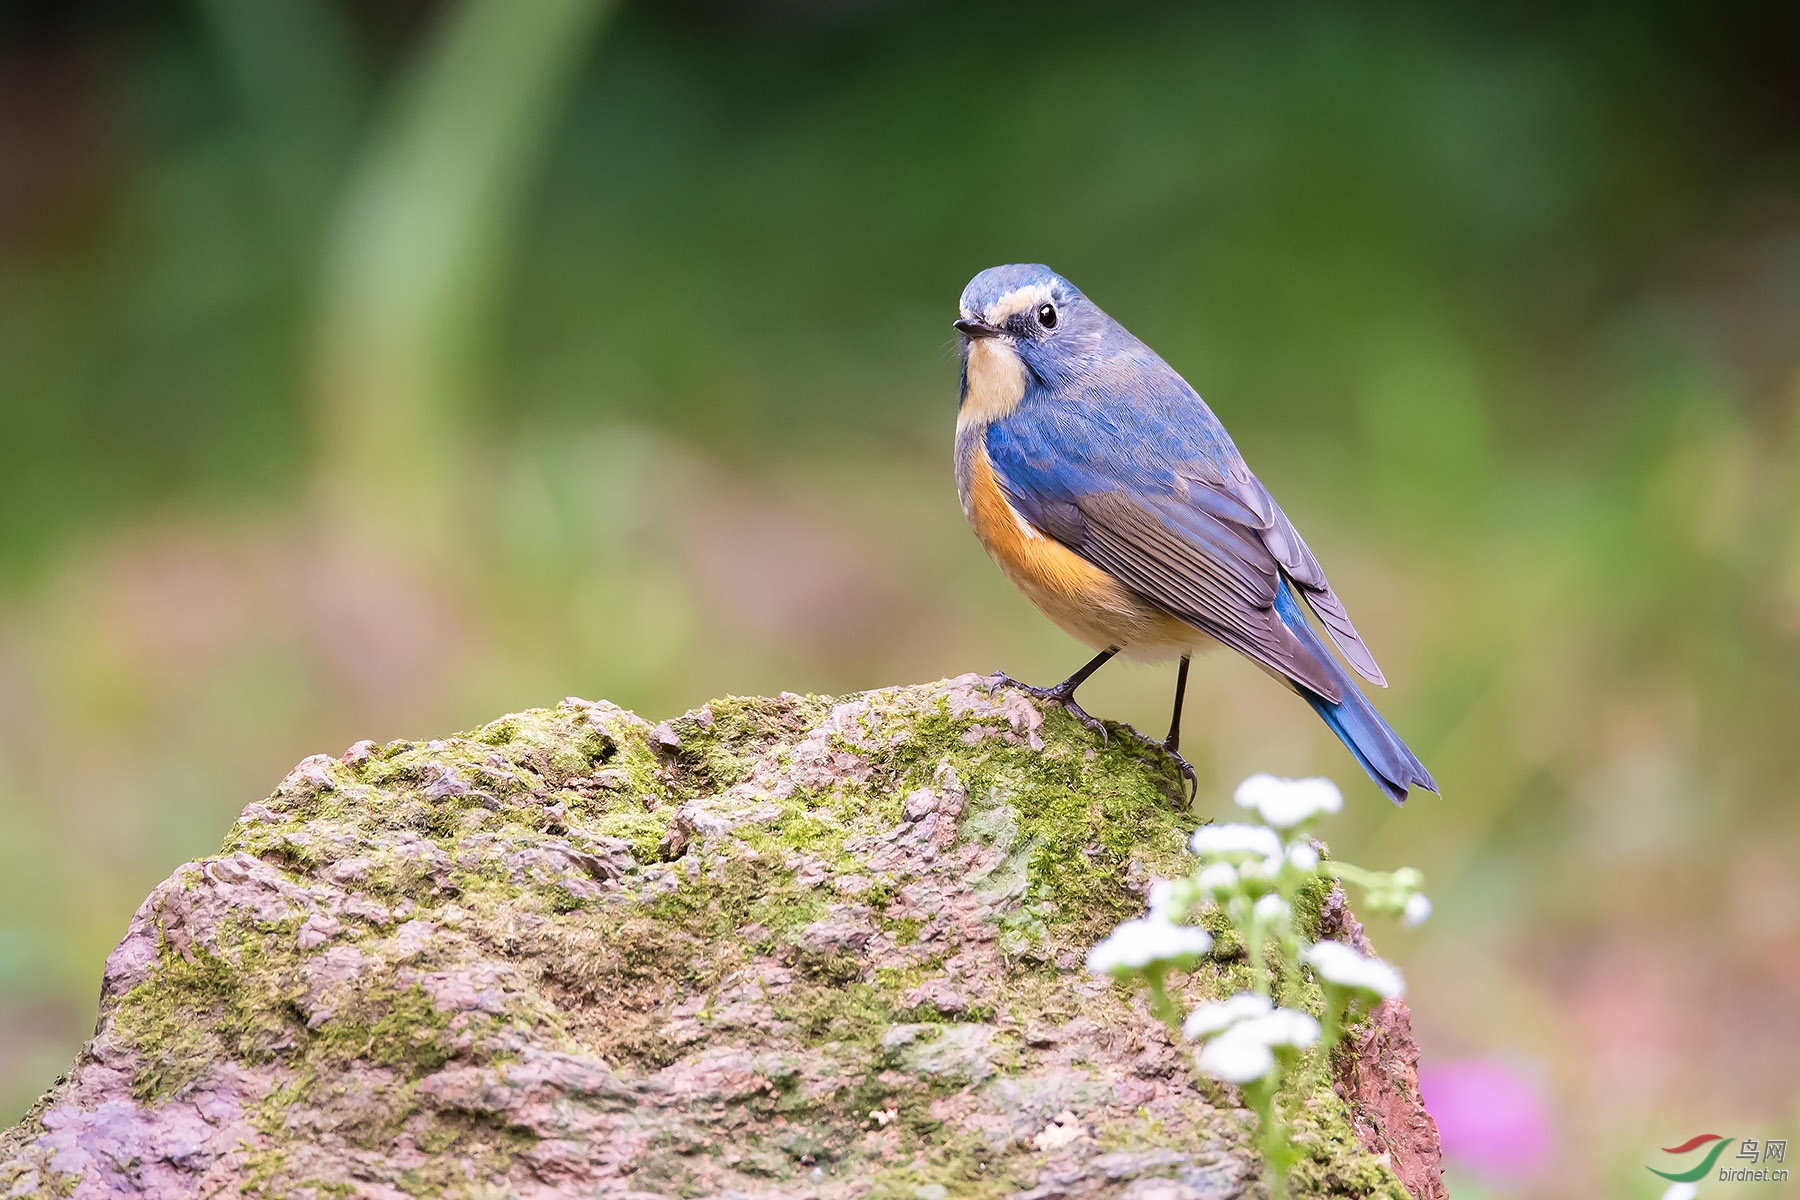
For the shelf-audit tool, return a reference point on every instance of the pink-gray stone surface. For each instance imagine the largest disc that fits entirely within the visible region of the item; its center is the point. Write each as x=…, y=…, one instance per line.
x=789, y=947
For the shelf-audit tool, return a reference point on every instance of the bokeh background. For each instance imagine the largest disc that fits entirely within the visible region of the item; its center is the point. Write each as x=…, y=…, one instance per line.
x=369, y=369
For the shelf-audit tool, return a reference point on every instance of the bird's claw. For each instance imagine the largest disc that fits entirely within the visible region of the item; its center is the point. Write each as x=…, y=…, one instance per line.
x=1182, y=765
x=1187, y=771
x=1056, y=695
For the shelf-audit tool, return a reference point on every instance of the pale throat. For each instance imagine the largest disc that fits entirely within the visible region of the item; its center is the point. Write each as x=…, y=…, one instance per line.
x=996, y=383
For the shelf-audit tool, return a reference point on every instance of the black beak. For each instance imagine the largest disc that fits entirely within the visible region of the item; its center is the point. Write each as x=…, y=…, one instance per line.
x=970, y=328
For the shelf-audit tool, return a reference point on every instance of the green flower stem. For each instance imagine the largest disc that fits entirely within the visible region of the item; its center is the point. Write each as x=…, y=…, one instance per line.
x=1261, y=1096
x=1331, y=1025
x=1259, y=967
x=1160, y=1004
x=1360, y=876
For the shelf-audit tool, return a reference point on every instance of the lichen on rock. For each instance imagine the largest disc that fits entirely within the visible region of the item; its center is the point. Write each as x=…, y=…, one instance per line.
x=778, y=947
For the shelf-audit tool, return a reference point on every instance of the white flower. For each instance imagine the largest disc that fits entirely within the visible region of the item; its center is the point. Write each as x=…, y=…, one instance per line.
x=1680, y=1191
x=1250, y=1016
x=1218, y=879
x=1161, y=892
x=1236, y=1059
x=1221, y=841
x=1304, y=857
x=1220, y=1015
x=1418, y=907
x=1136, y=944
x=1339, y=964
x=1243, y=1033
x=1271, y=908
x=1285, y=803
x=1283, y=1027
x=1259, y=871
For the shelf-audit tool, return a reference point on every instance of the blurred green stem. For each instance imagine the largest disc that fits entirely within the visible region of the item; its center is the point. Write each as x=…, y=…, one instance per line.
x=1255, y=943
x=417, y=251
x=294, y=69
x=1261, y=1095
x=1161, y=1005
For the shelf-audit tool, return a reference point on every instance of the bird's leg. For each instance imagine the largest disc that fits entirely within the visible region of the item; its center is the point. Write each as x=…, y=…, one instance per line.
x=1172, y=743
x=1064, y=692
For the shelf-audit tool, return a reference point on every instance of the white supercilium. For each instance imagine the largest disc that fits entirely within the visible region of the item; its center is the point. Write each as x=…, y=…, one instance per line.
x=1341, y=965
x=1136, y=944
x=1285, y=803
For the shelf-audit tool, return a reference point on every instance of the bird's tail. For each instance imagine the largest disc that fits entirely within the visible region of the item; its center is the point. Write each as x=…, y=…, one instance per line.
x=1392, y=766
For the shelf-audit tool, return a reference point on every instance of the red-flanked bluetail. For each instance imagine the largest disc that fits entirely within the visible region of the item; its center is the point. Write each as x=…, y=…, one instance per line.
x=1111, y=496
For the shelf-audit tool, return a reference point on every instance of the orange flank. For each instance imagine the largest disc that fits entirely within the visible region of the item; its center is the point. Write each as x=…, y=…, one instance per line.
x=1081, y=598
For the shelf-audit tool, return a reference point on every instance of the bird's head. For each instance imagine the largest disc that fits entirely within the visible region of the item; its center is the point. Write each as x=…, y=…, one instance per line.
x=1028, y=313
x=1023, y=303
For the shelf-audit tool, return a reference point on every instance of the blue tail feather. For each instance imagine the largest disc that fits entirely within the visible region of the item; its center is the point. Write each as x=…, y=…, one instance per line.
x=1378, y=749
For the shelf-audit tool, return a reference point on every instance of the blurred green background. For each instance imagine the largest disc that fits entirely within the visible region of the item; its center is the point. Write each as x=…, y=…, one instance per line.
x=369, y=369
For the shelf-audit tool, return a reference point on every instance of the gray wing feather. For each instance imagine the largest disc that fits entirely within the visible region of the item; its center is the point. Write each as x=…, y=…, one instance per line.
x=1210, y=572
x=1289, y=550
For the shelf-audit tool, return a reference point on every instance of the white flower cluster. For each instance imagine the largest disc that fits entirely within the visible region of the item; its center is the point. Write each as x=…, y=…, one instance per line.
x=1235, y=843
x=1394, y=892
x=1146, y=941
x=1250, y=860
x=1244, y=1034
x=1286, y=803
x=1252, y=871
x=1252, y=876
x=1338, y=965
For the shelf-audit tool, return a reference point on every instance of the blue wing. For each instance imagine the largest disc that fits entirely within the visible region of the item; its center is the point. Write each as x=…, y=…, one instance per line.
x=1152, y=490
x=1133, y=424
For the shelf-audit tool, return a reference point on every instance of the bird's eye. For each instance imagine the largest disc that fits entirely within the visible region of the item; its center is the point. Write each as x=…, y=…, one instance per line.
x=1047, y=316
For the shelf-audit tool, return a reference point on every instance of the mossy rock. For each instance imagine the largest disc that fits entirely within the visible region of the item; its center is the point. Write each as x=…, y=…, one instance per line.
x=789, y=947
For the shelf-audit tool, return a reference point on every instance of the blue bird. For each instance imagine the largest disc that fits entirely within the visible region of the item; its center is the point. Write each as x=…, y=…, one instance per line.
x=1109, y=494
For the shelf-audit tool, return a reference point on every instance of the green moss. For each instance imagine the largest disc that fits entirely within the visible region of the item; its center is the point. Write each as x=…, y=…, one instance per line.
x=453, y=1139
x=498, y=733
x=400, y=1028
x=264, y=1167
x=813, y=824
x=1070, y=824
x=400, y=768
x=858, y=1012
x=962, y=1166
x=644, y=830
x=194, y=1010
x=905, y=930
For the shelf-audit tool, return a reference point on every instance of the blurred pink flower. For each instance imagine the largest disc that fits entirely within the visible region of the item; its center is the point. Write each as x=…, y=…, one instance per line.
x=1490, y=1116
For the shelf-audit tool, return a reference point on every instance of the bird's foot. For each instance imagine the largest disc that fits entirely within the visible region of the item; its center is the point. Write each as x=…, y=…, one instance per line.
x=1058, y=695
x=1182, y=765
x=1187, y=770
